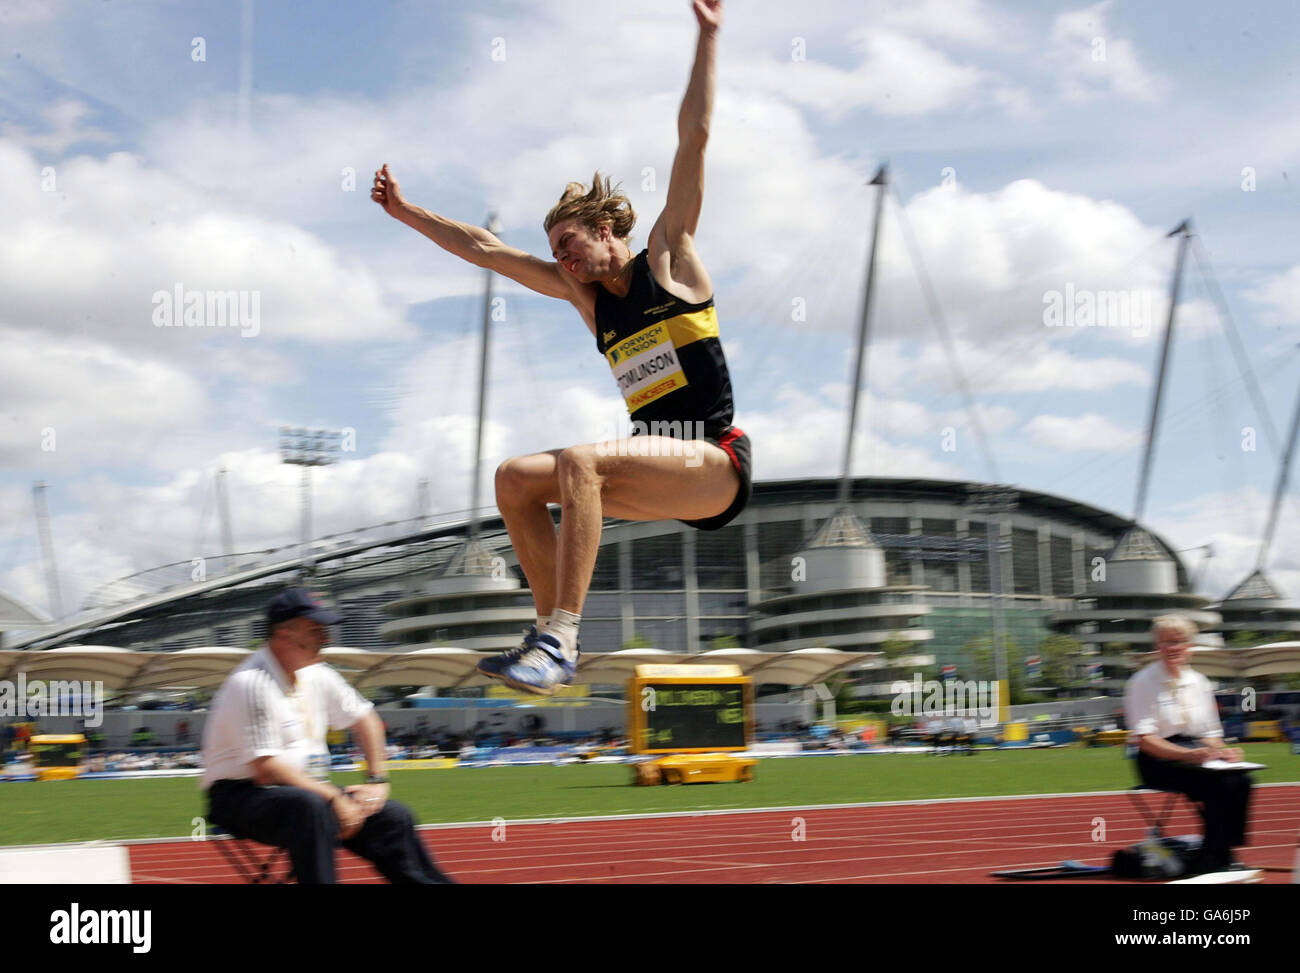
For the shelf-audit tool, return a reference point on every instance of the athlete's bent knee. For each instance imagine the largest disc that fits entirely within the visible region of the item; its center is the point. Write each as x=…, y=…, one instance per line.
x=575, y=463
x=515, y=484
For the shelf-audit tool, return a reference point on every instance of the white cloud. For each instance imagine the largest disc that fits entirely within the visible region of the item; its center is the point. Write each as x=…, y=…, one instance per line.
x=996, y=255
x=71, y=404
x=88, y=258
x=1217, y=518
x=1279, y=297
x=961, y=21
x=1039, y=368
x=994, y=259
x=64, y=120
x=18, y=13
x=798, y=433
x=1085, y=432
x=84, y=560
x=548, y=390
x=897, y=75
x=1092, y=61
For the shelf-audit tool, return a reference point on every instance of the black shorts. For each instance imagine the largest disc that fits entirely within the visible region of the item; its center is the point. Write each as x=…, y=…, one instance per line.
x=735, y=444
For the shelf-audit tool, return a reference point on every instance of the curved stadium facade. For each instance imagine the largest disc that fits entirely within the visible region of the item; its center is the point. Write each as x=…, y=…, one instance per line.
x=794, y=570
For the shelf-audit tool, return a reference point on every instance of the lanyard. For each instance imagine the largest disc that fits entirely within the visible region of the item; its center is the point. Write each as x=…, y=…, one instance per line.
x=1184, y=712
x=305, y=710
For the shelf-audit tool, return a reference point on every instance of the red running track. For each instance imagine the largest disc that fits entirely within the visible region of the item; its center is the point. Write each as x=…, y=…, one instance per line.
x=957, y=842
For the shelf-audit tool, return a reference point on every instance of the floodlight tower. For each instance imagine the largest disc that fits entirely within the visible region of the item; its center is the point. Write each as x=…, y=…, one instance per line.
x=47, y=548
x=493, y=225
x=308, y=448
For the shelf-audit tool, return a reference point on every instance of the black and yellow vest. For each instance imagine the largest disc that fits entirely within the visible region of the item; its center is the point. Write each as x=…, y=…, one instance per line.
x=665, y=356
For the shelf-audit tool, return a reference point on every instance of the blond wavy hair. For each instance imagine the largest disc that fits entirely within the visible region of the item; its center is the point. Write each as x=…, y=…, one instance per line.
x=1174, y=622
x=602, y=203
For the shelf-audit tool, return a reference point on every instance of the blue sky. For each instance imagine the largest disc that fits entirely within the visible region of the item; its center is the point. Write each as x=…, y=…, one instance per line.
x=1034, y=148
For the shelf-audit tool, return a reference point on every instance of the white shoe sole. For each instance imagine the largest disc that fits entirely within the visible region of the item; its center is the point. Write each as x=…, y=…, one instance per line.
x=524, y=687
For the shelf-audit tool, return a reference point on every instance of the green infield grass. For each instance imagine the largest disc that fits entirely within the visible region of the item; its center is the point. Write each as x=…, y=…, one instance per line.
x=83, y=810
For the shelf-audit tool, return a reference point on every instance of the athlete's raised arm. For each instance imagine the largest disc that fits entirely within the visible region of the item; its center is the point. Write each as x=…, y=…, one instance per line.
x=473, y=243
x=676, y=225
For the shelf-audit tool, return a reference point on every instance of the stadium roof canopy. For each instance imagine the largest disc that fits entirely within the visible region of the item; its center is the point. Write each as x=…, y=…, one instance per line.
x=125, y=670
x=18, y=614
x=1275, y=659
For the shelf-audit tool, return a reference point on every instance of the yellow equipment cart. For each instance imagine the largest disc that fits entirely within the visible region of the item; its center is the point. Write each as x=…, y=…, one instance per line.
x=59, y=756
x=699, y=716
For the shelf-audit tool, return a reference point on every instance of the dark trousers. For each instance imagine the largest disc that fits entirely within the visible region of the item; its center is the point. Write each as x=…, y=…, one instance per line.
x=304, y=824
x=1224, y=796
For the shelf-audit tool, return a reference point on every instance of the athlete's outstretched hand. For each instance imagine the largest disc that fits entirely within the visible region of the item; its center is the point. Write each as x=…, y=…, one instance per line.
x=386, y=192
x=708, y=13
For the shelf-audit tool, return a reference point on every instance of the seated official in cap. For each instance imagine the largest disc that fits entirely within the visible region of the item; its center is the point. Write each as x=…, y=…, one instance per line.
x=266, y=763
x=1175, y=724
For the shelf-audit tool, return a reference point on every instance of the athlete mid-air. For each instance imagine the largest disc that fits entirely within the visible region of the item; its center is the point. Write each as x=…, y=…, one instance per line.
x=653, y=319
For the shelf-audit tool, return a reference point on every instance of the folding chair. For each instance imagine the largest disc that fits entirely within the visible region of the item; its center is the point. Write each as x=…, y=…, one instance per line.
x=243, y=859
x=1156, y=823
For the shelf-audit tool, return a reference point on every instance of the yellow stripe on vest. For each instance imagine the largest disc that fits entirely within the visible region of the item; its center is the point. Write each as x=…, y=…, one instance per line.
x=645, y=364
x=686, y=328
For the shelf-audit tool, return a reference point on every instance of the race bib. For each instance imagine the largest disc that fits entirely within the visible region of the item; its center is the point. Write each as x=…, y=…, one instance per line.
x=645, y=366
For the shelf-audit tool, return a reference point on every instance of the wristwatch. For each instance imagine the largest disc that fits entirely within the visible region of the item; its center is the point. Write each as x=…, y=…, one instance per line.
x=375, y=779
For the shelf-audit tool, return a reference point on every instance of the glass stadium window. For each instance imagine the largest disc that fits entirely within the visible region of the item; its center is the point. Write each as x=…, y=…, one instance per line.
x=605, y=577
x=657, y=562
x=979, y=567
x=1024, y=554
x=898, y=569
x=890, y=525
x=939, y=530
x=716, y=630
x=720, y=558
x=1062, y=565
x=601, y=635
x=658, y=605
x=777, y=544
x=722, y=604
x=941, y=575
x=668, y=634
x=456, y=632
x=602, y=606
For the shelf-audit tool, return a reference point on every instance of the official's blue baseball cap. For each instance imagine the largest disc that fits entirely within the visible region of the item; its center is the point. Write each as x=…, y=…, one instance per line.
x=299, y=603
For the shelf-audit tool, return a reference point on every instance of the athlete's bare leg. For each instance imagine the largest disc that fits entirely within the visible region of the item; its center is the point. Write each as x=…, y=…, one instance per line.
x=676, y=481
x=525, y=485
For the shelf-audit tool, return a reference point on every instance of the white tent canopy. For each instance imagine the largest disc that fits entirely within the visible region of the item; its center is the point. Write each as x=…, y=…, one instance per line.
x=1275, y=659
x=444, y=667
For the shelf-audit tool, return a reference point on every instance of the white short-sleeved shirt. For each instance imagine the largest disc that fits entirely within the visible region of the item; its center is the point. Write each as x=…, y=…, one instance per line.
x=1157, y=703
x=259, y=712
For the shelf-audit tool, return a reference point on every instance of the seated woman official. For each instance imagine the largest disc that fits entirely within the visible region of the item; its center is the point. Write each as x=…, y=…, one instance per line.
x=1173, y=721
